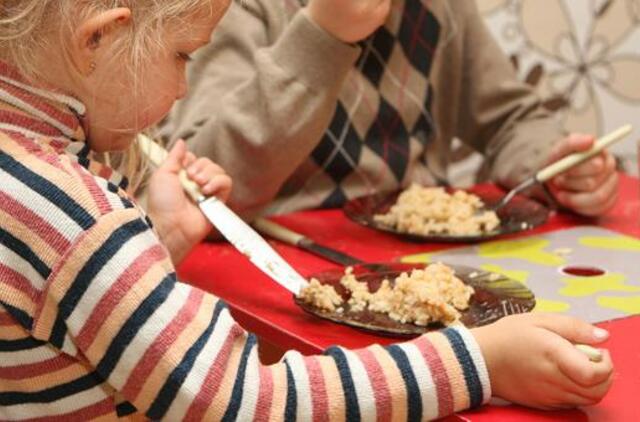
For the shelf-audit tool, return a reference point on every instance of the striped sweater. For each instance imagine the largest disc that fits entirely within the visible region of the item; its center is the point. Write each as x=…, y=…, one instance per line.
x=94, y=324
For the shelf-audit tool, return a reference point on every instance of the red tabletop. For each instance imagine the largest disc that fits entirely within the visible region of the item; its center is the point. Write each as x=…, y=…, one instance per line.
x=268, y=310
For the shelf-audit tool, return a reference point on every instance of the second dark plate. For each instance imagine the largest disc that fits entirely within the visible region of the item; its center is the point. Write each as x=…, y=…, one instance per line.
x=518, y=215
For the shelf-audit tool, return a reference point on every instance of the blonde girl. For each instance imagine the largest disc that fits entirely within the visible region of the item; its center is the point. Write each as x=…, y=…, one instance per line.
x=94, y=324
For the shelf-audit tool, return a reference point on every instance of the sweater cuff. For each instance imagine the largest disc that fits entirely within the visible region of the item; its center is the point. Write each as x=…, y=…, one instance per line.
x=466, y=369
x=318, y=59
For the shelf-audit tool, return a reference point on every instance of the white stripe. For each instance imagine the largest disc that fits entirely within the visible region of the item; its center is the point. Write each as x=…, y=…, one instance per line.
x=40, y=206
x=364, y=390
x=114, y=199
x=304, y=401
x=59, y=407
x=476, y=354
x=107, y=276
x=424, y=378
x=68, y=346
x=27, y=357
x=251, y=388
x=23, y=267
x=61, y=98
x=148, y=334
x=29, y=133
x=195, y=379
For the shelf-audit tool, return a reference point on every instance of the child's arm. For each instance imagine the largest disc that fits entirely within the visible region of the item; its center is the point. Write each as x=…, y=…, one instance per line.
x=175, y=352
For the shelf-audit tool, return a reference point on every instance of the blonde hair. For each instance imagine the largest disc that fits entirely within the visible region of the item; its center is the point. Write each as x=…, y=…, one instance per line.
x=34, y=25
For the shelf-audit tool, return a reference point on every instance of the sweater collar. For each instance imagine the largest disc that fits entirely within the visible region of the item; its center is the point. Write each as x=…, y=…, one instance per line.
x=49, y=118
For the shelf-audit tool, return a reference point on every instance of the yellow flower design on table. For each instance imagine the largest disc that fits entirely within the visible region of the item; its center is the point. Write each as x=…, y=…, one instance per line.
x=542, y=305
x=539, y=262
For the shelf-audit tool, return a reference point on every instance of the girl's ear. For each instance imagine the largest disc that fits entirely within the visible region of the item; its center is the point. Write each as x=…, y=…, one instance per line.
x=93, y=35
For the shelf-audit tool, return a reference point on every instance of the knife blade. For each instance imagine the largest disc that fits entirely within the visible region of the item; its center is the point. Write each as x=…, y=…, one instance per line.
x=286, y=235
x=241, y=235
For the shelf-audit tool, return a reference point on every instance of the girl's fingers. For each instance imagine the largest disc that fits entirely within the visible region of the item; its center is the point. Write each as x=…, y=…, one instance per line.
x=594, y=393
x=204, y=166
x=569, y=328
x=173, y=162
x=584, y=373
x=189, y=159
x=219, y=186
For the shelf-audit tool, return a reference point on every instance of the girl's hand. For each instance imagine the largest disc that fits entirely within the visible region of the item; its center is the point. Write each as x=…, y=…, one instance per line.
x=590, y=188
x=532, y=361
x=349, y=21
x=178, y=221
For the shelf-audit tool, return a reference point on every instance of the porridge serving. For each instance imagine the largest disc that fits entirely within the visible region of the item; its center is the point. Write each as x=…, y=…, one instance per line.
x=422, y=297
x=432, y=211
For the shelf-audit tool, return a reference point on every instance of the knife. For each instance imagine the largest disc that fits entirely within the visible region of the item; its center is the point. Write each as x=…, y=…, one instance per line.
x=283, y=234
x=233, y=228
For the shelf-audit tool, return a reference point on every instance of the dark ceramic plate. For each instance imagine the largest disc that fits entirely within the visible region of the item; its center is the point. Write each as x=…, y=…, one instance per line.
x=518, y=215
x=495, y=296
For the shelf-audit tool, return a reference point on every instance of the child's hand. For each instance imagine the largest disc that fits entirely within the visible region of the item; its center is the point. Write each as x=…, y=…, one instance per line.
x=532, y=361
x=179, y=222
x=349, y=21
x=590, y=188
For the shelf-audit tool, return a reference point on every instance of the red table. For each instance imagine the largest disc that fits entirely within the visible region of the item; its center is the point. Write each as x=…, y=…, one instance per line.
x=266, y=309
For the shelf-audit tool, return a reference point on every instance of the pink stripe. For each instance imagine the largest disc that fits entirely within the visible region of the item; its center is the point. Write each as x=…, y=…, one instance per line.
x=94, y=411
x=265, y=395
x=38, y=225
x=439, y=374
x=37, y=149
x=59, y=145
x=318, y=389
x=118, y=290
x=105, y=172
x=378, y=384
x=162, y=343
x=212, y=381
x=18, y=281
x=36, y=369
x=11, y=72
x=27, y=122
x=66, y=119
x=97, y=194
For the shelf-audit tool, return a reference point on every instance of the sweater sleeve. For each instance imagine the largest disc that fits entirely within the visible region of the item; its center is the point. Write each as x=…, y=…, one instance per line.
x=263, y=93
x=175, y=353
x=500, y=116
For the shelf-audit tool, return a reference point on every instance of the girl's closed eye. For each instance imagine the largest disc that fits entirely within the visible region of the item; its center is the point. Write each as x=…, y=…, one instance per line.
x=186, y=57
